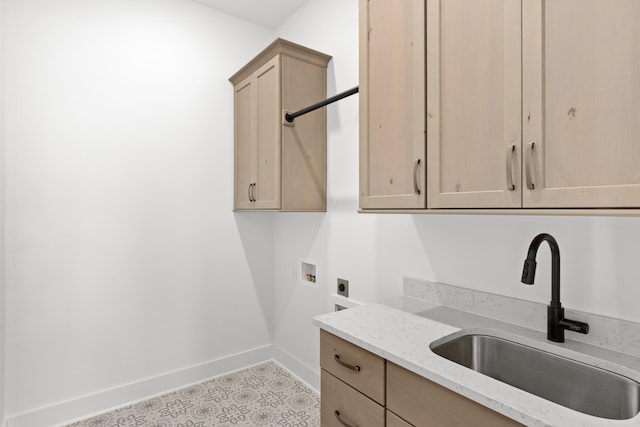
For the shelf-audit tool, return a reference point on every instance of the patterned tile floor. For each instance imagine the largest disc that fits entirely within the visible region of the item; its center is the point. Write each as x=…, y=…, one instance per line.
x=263, y=395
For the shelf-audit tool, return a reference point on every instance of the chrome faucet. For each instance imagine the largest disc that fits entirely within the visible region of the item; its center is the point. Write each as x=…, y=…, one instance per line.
x=556, y=323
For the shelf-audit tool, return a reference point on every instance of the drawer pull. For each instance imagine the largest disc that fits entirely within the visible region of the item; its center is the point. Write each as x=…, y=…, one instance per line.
x=346, y=365
x=344, y=423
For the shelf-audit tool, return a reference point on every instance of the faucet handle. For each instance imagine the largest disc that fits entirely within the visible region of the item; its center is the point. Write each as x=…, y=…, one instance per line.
x=575, y=326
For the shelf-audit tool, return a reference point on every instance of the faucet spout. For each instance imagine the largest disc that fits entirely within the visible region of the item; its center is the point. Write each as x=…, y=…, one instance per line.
x=556, y=322
x=529, y=270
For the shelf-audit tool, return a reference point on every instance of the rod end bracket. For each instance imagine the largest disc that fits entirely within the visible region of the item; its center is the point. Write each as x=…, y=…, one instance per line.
x=286, y=119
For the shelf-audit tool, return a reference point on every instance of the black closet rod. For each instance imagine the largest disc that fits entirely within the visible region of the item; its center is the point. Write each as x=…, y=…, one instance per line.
x=290, y=117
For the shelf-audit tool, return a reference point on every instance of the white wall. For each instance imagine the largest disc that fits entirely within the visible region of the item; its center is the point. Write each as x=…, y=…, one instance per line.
x=124, y=258
x=2, y=296
x=374, y=252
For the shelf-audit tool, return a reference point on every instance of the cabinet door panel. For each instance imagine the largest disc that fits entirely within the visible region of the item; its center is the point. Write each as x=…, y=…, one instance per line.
x=425, y=403
x=246, y=137
x=392, y=119
x=582, y=103
x=473, y=103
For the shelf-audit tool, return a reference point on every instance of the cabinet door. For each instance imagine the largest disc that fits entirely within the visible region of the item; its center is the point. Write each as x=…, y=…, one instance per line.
x=425, y=403
x=473, y=103
x=245, y=142
x=392, y=119
x=268, y=121
x=257, y=139
x=581, y=105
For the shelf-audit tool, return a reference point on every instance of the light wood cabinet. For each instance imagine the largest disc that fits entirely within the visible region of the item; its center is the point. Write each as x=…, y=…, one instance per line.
x=581, y=102
x=473, y=103
x=280, y=166
x=424, y=403
x=354, y=365
x=361, y=388
x=352, y=384
x=392, y=119
x=344, y=405
x=530, y=104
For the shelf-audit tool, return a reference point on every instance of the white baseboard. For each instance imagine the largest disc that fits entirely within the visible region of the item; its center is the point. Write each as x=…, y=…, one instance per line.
x=308, y=374
x=95, y=403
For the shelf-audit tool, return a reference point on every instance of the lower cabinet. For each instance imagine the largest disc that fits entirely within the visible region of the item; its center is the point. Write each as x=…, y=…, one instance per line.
x=344, y=406
x=395, y=421
x=360, y=389
x=424, y=403
x=354, y=365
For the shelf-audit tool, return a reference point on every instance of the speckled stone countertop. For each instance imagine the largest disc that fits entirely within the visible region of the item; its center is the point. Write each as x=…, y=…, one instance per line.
x=402, y=330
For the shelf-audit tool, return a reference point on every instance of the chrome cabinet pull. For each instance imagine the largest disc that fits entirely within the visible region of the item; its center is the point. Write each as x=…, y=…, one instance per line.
x=416, y=187
x=510, y=152
x=529, y=170
x=344, y=423
x=346, y=365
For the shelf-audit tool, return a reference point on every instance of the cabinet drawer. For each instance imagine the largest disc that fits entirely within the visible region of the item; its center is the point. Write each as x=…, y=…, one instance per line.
x=357, y=367
x=425, y=403
x=395, y=421
x=353, y=407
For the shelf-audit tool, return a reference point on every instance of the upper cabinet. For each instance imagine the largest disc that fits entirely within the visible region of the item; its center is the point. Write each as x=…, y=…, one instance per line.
x=473, y=103
x=280, y=166
x=392, y=109
x=581, y=103
x=528, y=104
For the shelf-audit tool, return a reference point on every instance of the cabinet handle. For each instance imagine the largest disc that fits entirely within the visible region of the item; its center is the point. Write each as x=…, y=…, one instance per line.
x=510, y=152
x=416, y=187
x=343, y=422
x=346, y=365
x=529, y=172
x=249, y=192
x=252, y=197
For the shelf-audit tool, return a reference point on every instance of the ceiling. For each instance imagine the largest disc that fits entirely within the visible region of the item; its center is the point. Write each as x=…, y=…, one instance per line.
x=268, y=13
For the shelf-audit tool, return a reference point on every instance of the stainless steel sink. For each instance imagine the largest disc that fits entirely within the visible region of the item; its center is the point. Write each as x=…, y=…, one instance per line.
x=569, y=383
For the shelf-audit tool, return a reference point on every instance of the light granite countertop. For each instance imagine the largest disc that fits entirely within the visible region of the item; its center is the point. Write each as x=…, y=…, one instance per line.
x=401, y=331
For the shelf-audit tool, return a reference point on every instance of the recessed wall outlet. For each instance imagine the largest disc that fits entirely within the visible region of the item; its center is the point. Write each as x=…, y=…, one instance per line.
x=343, y=287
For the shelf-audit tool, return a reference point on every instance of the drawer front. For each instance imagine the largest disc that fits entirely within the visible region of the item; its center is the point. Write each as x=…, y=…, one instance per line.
x=352, y=407
x=357, y=367
x=425, y=403
x=395, y=421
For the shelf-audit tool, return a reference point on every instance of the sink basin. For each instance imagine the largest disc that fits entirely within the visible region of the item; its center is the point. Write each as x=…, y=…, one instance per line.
x=569, y=383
